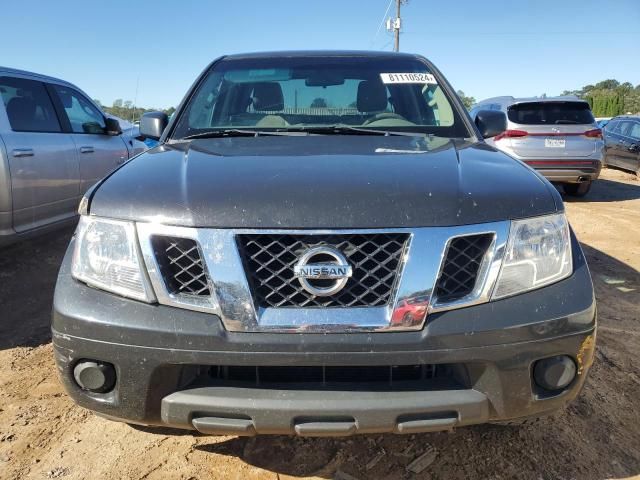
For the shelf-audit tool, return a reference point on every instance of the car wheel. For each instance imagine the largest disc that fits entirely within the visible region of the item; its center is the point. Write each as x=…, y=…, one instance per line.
x=577, y=189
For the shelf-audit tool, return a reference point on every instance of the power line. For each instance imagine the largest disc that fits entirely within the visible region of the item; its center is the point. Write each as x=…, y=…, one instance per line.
x=384, y=17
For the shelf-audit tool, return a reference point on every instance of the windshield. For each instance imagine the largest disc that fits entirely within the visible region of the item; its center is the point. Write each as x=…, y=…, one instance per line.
x=551, y=113
x=298, y=93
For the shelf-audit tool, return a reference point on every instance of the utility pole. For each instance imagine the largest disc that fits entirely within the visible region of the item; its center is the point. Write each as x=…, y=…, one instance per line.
x=394, y=24
x=396, y=28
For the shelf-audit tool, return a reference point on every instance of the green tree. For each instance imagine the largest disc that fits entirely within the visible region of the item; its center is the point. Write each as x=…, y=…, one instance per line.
x=319, y=103
x=610, y=97
x=609, y=84
x=466, y=101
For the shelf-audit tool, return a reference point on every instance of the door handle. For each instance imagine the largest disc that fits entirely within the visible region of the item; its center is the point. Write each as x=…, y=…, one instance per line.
x=86, y=149
x=22, y=152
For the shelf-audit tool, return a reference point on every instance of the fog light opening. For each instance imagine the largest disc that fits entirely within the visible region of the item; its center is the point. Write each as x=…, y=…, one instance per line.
x=554, y=373
x=95, y=376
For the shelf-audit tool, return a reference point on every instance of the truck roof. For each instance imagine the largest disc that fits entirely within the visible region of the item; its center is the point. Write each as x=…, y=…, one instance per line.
x=321, y=53
x=46, y=78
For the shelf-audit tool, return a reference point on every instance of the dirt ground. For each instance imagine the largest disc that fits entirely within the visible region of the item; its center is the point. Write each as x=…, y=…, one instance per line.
x=43, y=435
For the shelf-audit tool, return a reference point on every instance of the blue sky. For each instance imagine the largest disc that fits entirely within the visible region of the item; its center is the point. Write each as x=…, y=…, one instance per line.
x=486, y=48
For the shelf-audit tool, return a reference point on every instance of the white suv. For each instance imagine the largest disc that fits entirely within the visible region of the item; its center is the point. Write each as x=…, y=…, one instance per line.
x=557, y=136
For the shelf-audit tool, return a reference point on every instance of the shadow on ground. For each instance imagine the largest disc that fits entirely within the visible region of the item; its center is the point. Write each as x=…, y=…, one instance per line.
x=604, y=190
x=28, y=272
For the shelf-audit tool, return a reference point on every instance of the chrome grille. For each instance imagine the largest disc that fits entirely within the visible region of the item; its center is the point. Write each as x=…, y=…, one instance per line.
x=461, y=266
x=269, y=260
x=181, y=266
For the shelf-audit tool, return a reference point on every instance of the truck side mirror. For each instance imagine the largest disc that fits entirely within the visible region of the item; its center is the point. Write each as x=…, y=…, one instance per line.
x=112, y=127
x=152, y=124
x=491, y=123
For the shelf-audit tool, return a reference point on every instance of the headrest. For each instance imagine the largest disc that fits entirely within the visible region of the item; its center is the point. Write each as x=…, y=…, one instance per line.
x=21, y=112
x=267, y=97
x=372, y=96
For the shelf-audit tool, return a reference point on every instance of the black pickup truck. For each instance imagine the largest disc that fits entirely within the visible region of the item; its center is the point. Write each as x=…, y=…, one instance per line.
x=323, y=244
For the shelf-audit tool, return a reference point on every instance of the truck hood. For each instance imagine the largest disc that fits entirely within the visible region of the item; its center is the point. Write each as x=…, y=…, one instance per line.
x=323, y=182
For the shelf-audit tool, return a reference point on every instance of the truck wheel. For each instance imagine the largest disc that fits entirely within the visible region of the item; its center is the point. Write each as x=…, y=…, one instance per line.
x=577, y=189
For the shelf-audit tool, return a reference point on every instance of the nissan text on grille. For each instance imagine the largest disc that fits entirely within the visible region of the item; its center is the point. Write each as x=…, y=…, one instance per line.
x=323, y=244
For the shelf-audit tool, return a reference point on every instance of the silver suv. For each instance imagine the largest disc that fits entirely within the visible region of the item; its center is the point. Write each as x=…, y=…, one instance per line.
x=55, y=143
x=557, y=136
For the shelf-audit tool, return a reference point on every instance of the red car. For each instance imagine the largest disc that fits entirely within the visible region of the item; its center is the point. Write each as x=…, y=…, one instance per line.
x=410, y=311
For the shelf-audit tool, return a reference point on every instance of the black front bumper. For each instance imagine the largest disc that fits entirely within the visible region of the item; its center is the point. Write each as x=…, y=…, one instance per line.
x=156, y=350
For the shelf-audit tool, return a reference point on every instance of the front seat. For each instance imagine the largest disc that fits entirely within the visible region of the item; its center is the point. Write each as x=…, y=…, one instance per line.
x=372, y=97
x=267, y=97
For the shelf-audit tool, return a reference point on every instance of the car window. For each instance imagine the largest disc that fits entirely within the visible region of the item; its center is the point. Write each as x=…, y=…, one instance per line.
x=623, y=128
x=611, y=126
x=551, y=113
x=28, y=105
x=83, y=116
x=295, y=93
x=635, y=131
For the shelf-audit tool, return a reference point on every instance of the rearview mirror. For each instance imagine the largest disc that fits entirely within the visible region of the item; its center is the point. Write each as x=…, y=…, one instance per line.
x=491, y=123
x=324, y=79
x=152, y=124
x=112, y=127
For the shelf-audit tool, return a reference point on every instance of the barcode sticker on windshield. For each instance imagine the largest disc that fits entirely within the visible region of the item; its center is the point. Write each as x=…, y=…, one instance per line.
x=408, y=78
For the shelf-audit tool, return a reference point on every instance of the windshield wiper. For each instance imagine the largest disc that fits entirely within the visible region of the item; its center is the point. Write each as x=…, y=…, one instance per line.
x=311, y=130
x=237, y=132
x=349, y=130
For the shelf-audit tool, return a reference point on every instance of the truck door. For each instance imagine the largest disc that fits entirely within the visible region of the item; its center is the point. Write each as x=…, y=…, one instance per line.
x=630, y=154
x=42, y=162
x=98, y=153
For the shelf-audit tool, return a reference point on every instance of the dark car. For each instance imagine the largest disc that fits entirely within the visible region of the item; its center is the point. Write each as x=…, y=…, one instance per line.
x=622, y=143
x=243, y=276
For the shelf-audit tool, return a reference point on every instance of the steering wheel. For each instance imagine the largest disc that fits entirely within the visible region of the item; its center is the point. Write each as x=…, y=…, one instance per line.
x=384, y=116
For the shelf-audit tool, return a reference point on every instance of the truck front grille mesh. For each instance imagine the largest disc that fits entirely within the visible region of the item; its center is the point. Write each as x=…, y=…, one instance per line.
x=269, y=260
x=181, y=266
x=461, y=266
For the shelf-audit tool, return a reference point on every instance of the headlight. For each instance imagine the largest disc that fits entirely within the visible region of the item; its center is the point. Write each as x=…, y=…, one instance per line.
x=538, y=253
x=106, y=256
